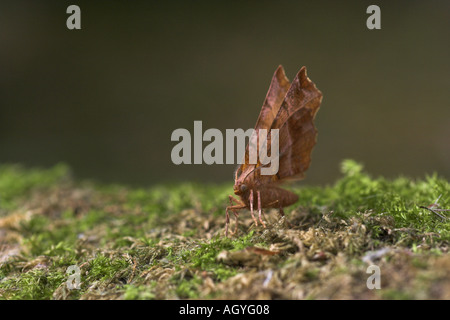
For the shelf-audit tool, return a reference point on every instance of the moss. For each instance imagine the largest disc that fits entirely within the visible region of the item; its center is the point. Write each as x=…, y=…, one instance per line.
x=167, y=241
x=139, y=292
x=188, y=288
x=204, y=256
x=34, y=284
x=16, y=182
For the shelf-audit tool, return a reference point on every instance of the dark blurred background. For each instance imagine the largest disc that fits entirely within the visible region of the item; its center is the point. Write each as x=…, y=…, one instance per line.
x=105, y=99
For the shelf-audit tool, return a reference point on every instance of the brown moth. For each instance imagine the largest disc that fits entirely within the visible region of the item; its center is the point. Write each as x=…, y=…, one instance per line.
x=290, y=108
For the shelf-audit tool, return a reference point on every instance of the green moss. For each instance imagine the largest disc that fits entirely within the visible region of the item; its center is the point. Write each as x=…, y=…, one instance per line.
x=16, y=182
x=204, y=255
x=104, y=268
x=163, y=241
x=392, y=294
x=187, y=288
x=400, y=199
x=35, y=284
x=132, y=292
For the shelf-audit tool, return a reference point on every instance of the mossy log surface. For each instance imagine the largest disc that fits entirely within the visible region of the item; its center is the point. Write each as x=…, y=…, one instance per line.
x=168, y=242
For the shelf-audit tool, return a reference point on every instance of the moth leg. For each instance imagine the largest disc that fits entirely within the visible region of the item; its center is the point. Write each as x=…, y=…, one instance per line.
x=281, y=211
x=236, y=215
x=233, y=208
x=260, y=209
x=285, y=219
x=251, y=206
x=227, y=219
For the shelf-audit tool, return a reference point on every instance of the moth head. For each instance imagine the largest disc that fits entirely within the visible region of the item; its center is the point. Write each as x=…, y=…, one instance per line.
x=241, y=183
x=240, y=189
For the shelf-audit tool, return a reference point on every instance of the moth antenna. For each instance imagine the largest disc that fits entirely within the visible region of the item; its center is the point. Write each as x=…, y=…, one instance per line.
x=236, y=172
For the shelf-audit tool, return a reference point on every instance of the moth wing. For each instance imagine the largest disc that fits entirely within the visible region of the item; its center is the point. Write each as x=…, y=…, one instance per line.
x=297, y=133
x=302, y=93
x=272, y=103
x=279, y=86
x=297, y=137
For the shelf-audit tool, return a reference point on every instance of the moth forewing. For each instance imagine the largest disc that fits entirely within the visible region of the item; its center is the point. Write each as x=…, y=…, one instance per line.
x=269, y=151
